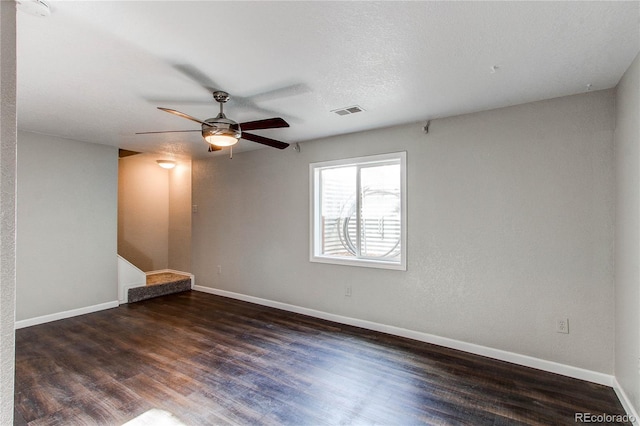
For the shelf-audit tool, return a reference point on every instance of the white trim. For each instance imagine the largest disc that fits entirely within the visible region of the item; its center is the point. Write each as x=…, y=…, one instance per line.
x=173, y=271
x=66, y=314
x=129, y=276
x=626, y=402
x=524, y=360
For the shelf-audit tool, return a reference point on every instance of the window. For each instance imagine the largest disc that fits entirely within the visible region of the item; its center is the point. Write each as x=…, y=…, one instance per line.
x=358, y=211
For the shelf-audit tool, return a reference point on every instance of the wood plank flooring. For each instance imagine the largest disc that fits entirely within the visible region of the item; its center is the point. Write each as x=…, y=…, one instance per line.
x=210, y=360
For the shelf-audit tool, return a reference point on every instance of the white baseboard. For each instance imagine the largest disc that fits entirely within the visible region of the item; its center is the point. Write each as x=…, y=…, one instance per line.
x=66, y=314
x=173, y=271
x=525, y=360
x=626, y=403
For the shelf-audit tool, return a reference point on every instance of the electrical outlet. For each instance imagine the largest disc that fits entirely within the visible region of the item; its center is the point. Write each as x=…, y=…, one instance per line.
x=347, y=291
x=562, y=325
x=219, y=269
x=194, y=208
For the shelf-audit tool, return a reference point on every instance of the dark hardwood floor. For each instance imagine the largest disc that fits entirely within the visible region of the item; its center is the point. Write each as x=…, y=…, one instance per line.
x=213, y=360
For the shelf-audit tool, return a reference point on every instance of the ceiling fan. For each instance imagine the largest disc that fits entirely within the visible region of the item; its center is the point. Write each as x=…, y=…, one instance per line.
x=221, y=131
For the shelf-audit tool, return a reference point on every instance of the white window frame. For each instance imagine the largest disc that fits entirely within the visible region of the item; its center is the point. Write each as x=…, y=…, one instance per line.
x=315, y=213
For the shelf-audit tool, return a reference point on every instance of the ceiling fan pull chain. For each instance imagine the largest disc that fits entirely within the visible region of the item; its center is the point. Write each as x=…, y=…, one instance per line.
x=230, y=152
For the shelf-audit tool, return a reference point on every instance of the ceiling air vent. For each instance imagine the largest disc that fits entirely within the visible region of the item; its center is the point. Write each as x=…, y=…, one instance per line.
x=348, y=110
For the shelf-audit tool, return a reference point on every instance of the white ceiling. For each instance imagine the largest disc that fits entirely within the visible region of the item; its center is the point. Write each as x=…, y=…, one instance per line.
x=95, y=71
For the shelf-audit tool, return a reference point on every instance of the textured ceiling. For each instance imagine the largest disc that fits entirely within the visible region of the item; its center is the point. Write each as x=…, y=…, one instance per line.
x=95, y=71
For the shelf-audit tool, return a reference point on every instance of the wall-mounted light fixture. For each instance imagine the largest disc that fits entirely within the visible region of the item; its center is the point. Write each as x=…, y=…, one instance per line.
x=166, y=164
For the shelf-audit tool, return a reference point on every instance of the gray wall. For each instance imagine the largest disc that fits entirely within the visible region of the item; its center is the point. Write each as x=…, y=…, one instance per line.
x=510, y=227
x=627, y=249
x=7, y=206
x=67, y=225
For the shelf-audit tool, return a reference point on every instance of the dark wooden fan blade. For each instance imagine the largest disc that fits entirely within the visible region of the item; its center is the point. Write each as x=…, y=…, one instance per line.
x=265, y=141
x=168, y=131
x=182, y=114
x=269, y=123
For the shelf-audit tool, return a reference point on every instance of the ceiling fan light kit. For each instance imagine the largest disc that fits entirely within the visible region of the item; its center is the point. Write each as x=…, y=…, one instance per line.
x=221, y=132
x=217, y=139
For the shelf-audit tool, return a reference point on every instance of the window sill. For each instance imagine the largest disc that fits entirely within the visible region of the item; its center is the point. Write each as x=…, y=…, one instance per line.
x=363, y=263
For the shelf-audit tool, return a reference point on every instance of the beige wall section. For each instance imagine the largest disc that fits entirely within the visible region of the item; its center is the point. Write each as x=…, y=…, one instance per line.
x=154, y=213
x=510, y=227
x=180, y=217
x=143, y=212
x=66, y=231
x=627, y=248
x=7, y=206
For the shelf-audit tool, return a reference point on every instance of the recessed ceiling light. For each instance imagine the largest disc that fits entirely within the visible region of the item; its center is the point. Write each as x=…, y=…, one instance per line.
x=166, y=164
x=34, y=7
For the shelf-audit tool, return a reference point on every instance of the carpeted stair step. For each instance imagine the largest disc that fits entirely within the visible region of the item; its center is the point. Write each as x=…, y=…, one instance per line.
x=160, y=285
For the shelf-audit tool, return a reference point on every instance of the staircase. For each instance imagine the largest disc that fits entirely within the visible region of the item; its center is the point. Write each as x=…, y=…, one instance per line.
x=160, y=284
x=135, y=285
